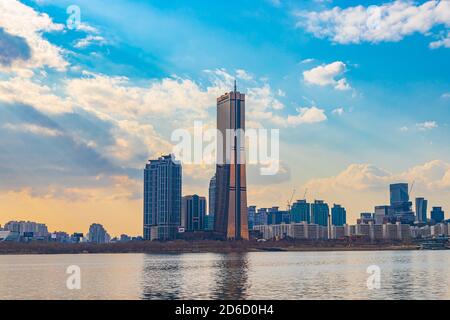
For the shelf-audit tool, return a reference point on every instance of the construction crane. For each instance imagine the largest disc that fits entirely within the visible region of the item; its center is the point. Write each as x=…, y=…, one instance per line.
x=290, y=201
x=304, y=195
x=410, y=189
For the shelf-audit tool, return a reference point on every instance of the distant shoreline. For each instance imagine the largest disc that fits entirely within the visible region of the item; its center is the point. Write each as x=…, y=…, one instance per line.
x=175, y=247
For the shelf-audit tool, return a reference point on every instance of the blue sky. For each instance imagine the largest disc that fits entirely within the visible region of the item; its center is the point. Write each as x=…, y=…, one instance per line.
x=91, y=105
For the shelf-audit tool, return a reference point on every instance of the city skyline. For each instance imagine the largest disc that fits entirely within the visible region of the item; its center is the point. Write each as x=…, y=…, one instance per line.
x=82, y=108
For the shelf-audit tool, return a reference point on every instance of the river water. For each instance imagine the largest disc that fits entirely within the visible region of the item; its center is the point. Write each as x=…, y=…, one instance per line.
x=257, y=275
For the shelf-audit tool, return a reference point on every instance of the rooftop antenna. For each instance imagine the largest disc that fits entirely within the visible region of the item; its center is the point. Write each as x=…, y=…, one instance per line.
x=235, y=86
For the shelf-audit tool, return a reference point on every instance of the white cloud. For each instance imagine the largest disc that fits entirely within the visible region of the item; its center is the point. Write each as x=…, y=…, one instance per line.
x=404, y=129
x=445, y=95
x=23, y=90
x=304, y=116
x=134, y=110
x=309, y=60
x=427, y=125
x=376, y=23
x=90, y=40
x=20, y=20
x=33, y=129
x=360, y=187
x=433, y=175
x=242, y=74
x=443, y=42
x=338, y=111
x=86, y=28
x=326, y=75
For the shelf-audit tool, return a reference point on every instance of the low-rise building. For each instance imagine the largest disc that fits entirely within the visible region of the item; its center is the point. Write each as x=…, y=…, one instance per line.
x=362, y=230
x=390, y=231
x=349, y=230
x=299, y=230
x=337, y=232
x=439, y=229
x=376, y=232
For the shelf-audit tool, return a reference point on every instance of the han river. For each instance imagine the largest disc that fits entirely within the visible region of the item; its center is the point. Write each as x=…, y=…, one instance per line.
x=256, y=275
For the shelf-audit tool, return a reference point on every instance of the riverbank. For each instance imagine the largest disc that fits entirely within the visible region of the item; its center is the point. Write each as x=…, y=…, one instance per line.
x=11, y=248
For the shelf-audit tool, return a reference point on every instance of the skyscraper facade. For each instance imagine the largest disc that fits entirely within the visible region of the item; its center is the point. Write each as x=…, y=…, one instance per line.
x=401, y=207
x=338, y=215
x=251, y=213
x=319, y=213
x=301, y=211
x=212, y=196
x=162, y=198
x=421, y=209
x=399, y=193
x=193, y=211
x=437, y=214
x=231, y=189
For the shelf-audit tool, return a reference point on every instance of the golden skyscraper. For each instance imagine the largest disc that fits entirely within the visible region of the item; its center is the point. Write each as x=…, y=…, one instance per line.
x=231, y=220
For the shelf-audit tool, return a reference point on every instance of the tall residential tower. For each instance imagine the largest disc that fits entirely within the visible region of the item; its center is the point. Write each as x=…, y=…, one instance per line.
x=162, y=198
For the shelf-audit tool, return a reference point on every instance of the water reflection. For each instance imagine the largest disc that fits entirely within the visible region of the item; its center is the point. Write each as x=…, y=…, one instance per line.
x=231, y=277
x=161, y=277
x=255, y=275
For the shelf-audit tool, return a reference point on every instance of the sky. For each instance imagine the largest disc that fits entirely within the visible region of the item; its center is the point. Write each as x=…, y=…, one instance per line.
x=360, y=91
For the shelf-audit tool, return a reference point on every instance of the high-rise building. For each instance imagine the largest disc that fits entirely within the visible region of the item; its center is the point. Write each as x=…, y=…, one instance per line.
x=193, y=211
x=231, y=195
x=251, y=213
x=209, y=222
x=212, y=196
x=261, y=217
x=97, y=234
x=338, y=215
x=401, y=207
x=301, y=211
x=162, y=198
x=209, y=218
x=421, y=209
x=275, y=216
x=437, y=214
x=319, y=213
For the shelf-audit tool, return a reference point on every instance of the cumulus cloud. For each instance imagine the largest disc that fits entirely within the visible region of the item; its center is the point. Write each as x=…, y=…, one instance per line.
x=376, y=23
x=430, y=176
x=327, y=74
x=427, y=125
x=132, y=111
x=304, y=115
x=21, y=21
x=24, y=90
x=12, y=48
